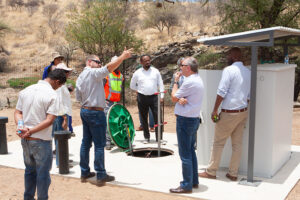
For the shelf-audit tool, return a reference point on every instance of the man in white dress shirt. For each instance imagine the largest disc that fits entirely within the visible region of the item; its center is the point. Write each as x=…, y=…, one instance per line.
x=233, y=92
x=146, y=82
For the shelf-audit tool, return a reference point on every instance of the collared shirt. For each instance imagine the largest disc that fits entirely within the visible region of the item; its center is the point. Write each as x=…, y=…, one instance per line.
x=89, y=87
x=234, y=86
x=35, y=102
x=191, y=89
x=64, y=99
x=147, y=82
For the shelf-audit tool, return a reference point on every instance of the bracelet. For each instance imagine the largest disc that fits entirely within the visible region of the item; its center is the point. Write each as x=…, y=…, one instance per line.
x=176, y=82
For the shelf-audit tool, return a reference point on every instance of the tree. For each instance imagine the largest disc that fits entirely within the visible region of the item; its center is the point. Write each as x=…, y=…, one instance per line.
x=160, y=18
x=32, y=6
x=67, y=50
x=53, y=14
x=245, y=15
x=100, y=29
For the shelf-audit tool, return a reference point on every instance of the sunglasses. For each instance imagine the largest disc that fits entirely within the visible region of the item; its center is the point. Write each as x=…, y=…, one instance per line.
x=97, y=61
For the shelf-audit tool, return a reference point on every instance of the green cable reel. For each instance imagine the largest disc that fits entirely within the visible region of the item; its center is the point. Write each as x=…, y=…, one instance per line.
x=119, y=125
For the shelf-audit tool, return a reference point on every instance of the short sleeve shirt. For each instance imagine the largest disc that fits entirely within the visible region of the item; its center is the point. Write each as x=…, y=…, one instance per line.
x=35, y=102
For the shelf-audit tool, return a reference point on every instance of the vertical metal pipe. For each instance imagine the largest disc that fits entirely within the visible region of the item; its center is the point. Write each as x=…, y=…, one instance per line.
x=158, y=123
x=285, y=49
x=252, y=114
x=123, y=85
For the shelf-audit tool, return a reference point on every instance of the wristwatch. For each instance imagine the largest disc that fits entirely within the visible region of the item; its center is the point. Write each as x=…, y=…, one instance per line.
x=176, y=82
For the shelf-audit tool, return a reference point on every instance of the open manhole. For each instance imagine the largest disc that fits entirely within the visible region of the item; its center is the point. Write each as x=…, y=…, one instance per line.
x=150, y=152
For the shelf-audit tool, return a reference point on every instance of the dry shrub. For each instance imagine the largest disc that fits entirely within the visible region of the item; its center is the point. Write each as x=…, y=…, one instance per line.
x=3, y=63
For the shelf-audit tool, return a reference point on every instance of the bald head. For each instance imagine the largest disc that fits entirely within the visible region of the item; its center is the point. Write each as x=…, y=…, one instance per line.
x=234, y=55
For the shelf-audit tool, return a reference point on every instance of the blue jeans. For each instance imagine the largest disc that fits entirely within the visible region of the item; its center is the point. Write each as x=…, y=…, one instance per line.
x=70, y=123
x=186, y=128
x=37, y=156
x=94, y=127
x=57, y=126
x=151, y=119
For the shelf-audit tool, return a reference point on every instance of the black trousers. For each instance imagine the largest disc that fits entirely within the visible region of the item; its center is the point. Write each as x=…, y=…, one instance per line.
x=144, y=103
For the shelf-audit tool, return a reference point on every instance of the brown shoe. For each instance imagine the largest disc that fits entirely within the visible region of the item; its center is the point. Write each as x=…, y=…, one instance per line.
x=206, y=175
x=196, y=186
x=179, y=190
x=152, y=129
x=140, y=128
x=232, y=178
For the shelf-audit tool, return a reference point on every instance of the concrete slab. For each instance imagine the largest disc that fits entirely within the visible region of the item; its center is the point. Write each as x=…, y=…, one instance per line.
x=161, y=174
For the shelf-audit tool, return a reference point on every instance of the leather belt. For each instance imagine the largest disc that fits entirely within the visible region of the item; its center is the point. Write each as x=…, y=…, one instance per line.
x=234, y=111
x=31, y=138
x=93, y=108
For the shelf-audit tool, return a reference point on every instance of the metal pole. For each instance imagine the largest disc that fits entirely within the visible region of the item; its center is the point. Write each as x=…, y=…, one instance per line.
x=158, y=123
x=123, y=85
x=3, y=139
x=285, y=50
x=252, y=114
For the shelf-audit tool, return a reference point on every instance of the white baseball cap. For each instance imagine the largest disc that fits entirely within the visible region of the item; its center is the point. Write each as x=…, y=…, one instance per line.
x=63, y=66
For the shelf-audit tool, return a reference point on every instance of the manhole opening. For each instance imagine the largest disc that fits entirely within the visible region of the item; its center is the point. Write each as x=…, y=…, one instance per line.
x=150, y=152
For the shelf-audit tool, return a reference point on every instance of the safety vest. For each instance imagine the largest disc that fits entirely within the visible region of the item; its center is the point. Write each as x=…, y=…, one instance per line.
x=113, y=87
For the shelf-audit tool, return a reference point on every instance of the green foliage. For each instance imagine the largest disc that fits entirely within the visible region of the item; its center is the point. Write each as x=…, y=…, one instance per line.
x=22, y=82
x=70, y=81
x=245, y=15
x=3, y=28
x=100, y=29
x=210, y=58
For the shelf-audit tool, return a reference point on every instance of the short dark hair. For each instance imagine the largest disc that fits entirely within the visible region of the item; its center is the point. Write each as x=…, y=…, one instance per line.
x=58, y=74
x=142, y=56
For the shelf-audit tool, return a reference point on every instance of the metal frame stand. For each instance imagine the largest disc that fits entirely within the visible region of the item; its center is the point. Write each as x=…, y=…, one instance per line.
x=128, y=138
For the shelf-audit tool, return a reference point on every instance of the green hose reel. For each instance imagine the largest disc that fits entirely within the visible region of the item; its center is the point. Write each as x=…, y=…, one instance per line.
x=119, y=124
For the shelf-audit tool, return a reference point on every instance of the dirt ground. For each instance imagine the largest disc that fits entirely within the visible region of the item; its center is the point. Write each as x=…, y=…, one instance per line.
x=62, y=188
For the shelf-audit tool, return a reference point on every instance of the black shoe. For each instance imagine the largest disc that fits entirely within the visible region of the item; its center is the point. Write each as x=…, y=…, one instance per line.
x=179, y=190
x=90, y=175
x=196, y=186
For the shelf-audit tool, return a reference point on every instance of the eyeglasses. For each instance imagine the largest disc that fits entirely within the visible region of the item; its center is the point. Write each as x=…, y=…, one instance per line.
x=97, y=61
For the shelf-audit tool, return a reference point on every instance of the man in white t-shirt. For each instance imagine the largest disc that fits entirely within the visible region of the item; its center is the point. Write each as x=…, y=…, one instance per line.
x=38, y=106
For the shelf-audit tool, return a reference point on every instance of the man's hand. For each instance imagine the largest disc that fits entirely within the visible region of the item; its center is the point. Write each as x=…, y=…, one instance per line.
x=161, y=100
x=215, y=116
x=177, y=76
x=25, y=133
x=64, y=124
x=127, y=53
x=182, y=101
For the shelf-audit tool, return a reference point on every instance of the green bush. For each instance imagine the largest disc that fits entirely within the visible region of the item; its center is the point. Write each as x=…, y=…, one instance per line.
x=71, y=82
x=208, y=58
x=22, y=82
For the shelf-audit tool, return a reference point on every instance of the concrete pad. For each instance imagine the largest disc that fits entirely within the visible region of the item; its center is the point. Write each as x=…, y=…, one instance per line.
x=161, y=174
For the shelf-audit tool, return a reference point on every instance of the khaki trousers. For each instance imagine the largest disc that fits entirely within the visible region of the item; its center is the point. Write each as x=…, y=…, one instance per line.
x=230, y=125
